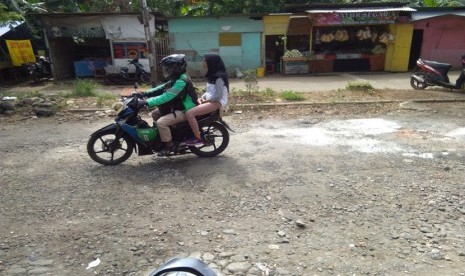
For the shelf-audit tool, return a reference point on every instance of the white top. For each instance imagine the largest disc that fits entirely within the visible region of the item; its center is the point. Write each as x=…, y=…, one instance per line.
x=217, y=92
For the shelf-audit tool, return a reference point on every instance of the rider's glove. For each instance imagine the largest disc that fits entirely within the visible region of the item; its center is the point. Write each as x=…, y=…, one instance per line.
x=141, y=103
x=138, y=95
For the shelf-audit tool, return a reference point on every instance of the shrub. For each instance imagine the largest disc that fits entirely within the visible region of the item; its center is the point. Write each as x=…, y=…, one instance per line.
x=359, y=86
x=84, y=88
x=250, y=79
x=292, y=96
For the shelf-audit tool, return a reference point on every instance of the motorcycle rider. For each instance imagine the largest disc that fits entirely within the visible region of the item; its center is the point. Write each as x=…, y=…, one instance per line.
x=171, y=98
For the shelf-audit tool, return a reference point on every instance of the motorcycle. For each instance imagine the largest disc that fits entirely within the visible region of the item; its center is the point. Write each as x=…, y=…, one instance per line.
x=123, y=76
x=42, y=69
x=184, y=267
x=115, y=143
x=432, y=73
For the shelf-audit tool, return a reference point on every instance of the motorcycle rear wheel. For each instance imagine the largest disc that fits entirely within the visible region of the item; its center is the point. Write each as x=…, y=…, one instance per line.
x=417, y=85
x=145, y=78
x=108, y=148
x=216, y=138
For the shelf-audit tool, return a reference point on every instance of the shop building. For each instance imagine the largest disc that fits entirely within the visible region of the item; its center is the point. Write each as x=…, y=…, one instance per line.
x=438, y=35
x=87, y=44
x=338, y=39
x=237, y=38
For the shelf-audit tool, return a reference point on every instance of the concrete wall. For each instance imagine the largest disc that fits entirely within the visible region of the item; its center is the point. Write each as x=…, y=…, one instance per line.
x=198, y=36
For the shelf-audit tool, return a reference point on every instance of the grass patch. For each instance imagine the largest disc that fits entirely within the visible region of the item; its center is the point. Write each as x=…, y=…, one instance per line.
x=246, y=96
x=292, y=96
x=269, y=93
x=84, y=88
x=359, y=86
x=23, y=95
x=104, y=98
x=88, y=88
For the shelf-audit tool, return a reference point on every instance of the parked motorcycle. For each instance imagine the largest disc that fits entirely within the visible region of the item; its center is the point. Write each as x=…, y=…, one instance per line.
x=184, y=267
x=40, y=70
x=114, y=143
x=432, y=73
x=123, y=76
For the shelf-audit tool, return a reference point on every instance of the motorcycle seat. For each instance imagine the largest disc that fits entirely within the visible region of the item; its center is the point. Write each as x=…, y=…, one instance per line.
x=438, y=65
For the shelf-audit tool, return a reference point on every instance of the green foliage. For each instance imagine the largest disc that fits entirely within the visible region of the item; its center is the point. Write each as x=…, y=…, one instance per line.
x=250, y=6
x=103, y=98
x=292, y=96
x=84, y=88
x=269, y=93
x=359, y=86
x=64, y=5
x=7, y=16
x=12, y=8
x=436, y=3
x=180, y=7
x=250, y=80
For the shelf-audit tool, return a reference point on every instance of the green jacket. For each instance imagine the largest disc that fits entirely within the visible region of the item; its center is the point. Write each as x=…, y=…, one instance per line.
x=169, y=93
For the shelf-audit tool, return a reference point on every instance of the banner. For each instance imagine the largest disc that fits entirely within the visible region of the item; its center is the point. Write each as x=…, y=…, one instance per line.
x=20, y=51
x=355, y=18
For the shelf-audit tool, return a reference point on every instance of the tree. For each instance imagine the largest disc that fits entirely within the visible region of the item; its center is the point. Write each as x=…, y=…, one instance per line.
x=442, y=3
x=18, y=9
x=7, y=16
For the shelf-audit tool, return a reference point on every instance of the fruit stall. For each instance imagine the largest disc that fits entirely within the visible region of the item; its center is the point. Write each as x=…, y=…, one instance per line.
x=351, y=40
x=294, y=62
x=333, y=38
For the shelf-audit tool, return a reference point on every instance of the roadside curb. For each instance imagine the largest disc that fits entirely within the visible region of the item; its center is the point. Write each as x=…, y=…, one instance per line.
x=351, y=102
x=84, y=110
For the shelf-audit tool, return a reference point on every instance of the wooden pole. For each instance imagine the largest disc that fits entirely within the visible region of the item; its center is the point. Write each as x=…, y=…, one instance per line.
x=151, y=44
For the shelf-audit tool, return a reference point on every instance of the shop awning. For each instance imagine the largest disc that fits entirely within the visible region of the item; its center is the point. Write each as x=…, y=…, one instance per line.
x=361, y=10
x=356, y=16
x=124, y=27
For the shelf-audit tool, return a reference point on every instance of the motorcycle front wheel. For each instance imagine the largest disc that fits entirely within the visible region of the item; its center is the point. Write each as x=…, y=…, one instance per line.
x=416, y=84
x=108, y=148
x=216, y=138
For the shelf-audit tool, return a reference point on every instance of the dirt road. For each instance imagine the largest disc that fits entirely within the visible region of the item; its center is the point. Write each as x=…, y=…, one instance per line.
x=334, y=81
x=315, y=190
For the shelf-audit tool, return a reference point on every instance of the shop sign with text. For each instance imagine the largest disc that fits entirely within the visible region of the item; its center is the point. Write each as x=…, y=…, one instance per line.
x=355, y=18
x=20, y=51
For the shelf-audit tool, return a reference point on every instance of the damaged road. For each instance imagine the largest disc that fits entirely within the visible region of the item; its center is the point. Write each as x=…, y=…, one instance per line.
x=308, y=190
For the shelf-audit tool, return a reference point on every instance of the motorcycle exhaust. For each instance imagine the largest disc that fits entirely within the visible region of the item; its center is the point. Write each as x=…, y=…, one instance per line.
x=418, y=78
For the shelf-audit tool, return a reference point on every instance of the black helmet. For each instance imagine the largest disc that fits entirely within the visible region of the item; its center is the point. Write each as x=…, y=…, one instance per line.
x=173, y=65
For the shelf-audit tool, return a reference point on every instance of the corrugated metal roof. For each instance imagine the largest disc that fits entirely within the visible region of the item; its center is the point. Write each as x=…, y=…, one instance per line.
x=362, y=10
x=425, y=15
x=5, y=29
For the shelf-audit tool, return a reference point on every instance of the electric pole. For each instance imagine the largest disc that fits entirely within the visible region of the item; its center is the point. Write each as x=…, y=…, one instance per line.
x=150, y=43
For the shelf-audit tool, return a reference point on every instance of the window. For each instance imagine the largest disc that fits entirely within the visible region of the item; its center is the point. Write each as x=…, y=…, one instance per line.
x=230, y=39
